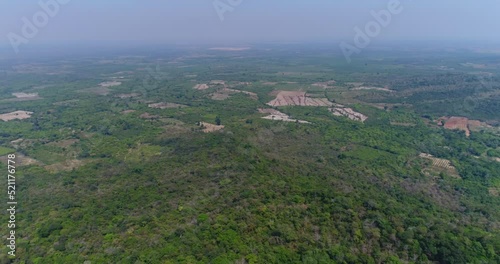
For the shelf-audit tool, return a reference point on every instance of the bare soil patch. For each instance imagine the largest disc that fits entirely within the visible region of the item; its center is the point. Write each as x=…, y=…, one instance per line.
x=97, y=90
x=163, y=105
x=130, y=95
x=209, y=128
x=328, y=84
x=494, y=192
x=148, y=116
x=349, y=113
x=217, y=82
x=201, y=86
x=127, y=112
x=441, y=164
x=297, y=98
x=279, y=116
x=462, y=123
x=110, y=84
x=25, y=96
x=385, y=89
x=403, y=124
x=66, y=165
x=22, y=160
x=64, y=143
x=16, y=115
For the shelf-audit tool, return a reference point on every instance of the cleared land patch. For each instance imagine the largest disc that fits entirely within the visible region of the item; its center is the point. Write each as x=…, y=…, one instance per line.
x=385, y=89
x=16, y=115
x=22, y=160
x=297, y=98
x=110, y=84
x=279, y=116
x=441, y=164
x=163, y=105
x=328, y=84
x=349, y=113
x=462, y=123
x=202, y=86
x=208, y=128
x=97, y=90
x=130, y=95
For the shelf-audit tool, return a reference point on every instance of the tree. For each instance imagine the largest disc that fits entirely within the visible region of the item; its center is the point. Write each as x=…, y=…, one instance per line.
x=217, y=121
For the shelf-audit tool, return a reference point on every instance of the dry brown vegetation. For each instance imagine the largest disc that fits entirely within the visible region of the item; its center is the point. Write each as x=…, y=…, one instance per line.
x=22, y=160
x=64, y=143
x=208, y=128
x=163, y=105
x=66, y=165
x=130, y=95
x=148, y=116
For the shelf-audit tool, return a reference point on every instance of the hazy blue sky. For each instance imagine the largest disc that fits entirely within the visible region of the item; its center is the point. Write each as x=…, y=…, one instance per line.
x=196, y=21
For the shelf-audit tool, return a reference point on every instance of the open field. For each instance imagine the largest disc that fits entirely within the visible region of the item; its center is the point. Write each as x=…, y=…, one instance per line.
x=15, y=115
x=297, y=98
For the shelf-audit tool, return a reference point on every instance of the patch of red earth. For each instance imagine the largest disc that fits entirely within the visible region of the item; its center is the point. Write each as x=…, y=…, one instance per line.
x=460, y=123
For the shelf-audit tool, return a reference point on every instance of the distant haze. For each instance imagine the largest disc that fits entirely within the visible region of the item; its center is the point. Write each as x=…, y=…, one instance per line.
x=197, y=21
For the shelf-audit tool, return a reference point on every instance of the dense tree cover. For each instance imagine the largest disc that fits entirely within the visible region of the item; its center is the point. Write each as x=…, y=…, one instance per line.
x=158, y=190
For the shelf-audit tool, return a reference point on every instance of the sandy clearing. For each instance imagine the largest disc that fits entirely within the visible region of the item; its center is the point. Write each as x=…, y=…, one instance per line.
x=25, y=95
x=163, y=105
x=279, y=116
x=328, y=84
x=217, y=82
x=127, y=111
x=110, y=84
x=297, y=98
x=201, y=86
x=385, y=89
x=15, y=115
x=349, y=113
x=209, y=128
